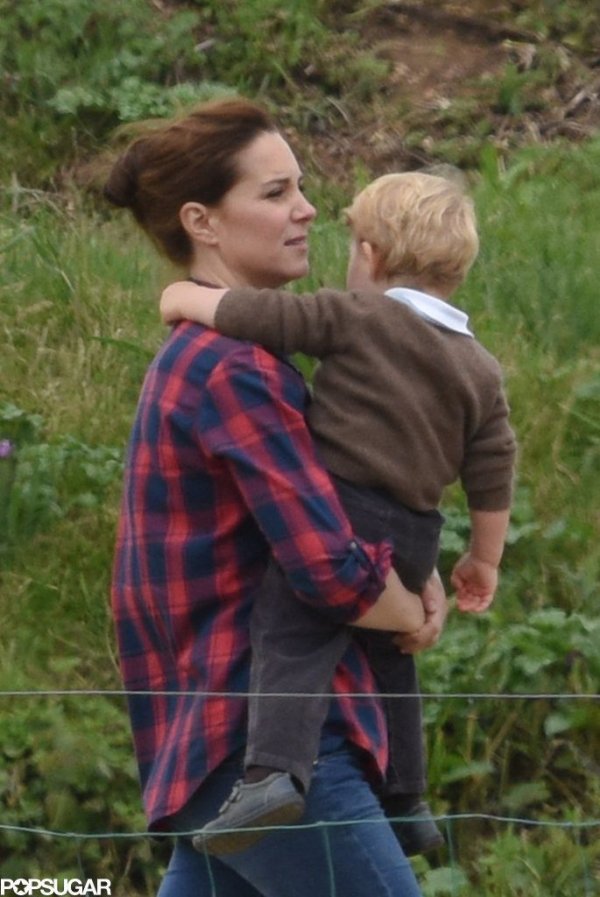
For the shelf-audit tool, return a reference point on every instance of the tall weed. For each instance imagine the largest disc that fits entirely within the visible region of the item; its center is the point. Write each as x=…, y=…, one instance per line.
x=540, y=242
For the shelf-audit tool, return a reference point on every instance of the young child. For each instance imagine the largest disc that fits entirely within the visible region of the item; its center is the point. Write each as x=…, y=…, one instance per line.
x=405, y=402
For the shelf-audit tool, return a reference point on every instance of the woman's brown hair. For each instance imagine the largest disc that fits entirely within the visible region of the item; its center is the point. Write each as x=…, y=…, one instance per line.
x=189, y=160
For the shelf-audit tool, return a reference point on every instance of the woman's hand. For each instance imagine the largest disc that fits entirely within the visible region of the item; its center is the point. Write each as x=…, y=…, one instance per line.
x=435, y=605
x=396, y=610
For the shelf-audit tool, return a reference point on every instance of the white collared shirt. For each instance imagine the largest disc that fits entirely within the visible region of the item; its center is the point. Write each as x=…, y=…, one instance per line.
x=432, y=309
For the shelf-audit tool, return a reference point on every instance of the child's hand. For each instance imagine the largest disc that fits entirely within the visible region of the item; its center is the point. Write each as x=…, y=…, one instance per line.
x=169, y=301
x=475, y=582
x=184, y=299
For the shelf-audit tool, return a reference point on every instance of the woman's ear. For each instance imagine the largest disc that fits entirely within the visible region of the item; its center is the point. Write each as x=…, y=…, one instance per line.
x=197, y=224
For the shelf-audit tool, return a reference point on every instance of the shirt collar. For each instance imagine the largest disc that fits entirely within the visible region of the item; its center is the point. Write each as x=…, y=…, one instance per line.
x=432, y=309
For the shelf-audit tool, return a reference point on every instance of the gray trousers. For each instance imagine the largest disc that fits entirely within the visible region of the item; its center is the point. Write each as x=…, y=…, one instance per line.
x=296, y=649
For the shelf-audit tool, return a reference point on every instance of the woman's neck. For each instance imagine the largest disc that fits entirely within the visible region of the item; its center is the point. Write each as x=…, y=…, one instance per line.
x=201, y=282
x=211, y=270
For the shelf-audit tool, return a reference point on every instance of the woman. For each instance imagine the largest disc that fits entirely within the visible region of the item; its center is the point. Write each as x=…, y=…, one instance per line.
x=221, y=471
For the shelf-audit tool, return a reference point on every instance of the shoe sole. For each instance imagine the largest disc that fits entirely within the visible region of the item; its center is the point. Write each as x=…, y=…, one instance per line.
x=236, y=840
x=415, y=848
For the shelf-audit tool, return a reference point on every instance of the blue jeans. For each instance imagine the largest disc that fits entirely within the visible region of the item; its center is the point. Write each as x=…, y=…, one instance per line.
x=346, y=850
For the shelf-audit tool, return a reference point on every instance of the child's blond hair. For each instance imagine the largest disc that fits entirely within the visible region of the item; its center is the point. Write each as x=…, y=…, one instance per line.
x=423, y=226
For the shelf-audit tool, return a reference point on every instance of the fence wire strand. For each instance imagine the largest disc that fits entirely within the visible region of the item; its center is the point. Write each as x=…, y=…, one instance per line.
x=448, y=819
x=459, y=695
x=583, y=825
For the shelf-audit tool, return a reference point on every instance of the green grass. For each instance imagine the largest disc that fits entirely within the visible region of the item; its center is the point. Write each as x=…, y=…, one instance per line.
x=78, y=324
x=78, y=318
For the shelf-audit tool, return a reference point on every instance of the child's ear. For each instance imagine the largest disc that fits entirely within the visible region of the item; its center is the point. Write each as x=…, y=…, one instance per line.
x=372, y=256
x=197, y=223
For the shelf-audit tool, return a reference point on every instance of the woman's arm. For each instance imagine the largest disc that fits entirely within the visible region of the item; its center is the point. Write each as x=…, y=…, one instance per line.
x=251, y=418
x=436, y=611
x=396, y=609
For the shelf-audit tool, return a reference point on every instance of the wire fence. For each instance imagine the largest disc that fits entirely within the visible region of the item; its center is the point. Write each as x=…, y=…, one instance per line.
x=98, y=692
x=584, y=832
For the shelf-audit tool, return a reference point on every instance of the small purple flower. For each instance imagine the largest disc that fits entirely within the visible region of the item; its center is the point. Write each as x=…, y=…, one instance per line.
x=6, y=448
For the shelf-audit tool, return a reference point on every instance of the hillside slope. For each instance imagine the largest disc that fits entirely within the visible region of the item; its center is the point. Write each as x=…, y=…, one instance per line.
x=461, y=76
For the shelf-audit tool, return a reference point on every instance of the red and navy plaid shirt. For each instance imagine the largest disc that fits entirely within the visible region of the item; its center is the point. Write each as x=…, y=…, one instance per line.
x=221, y=470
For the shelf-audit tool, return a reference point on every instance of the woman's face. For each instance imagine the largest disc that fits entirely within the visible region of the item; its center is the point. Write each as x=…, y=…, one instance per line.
x=261, y=225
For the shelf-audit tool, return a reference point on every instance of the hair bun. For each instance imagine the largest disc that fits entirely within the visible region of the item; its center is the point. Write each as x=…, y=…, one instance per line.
x=121, y=186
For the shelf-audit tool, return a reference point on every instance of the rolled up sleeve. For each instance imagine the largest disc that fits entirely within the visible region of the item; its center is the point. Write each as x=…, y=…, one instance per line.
x=252, y=418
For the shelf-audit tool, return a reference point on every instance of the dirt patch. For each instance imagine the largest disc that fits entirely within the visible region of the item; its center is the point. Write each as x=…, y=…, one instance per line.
x=429, y=64
x=458, y=78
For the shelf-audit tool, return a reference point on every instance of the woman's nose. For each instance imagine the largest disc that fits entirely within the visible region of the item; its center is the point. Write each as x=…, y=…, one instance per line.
x=305, y=210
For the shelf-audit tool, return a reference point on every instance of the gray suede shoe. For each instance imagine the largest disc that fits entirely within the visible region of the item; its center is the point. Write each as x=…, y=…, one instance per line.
x=274, y=801
x=417, y=832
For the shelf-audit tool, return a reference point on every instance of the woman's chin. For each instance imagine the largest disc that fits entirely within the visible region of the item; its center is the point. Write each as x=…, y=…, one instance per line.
x=301, y=270
x=277, y=280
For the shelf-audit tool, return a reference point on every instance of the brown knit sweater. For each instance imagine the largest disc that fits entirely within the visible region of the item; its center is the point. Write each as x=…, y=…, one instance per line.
x=398, y=403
